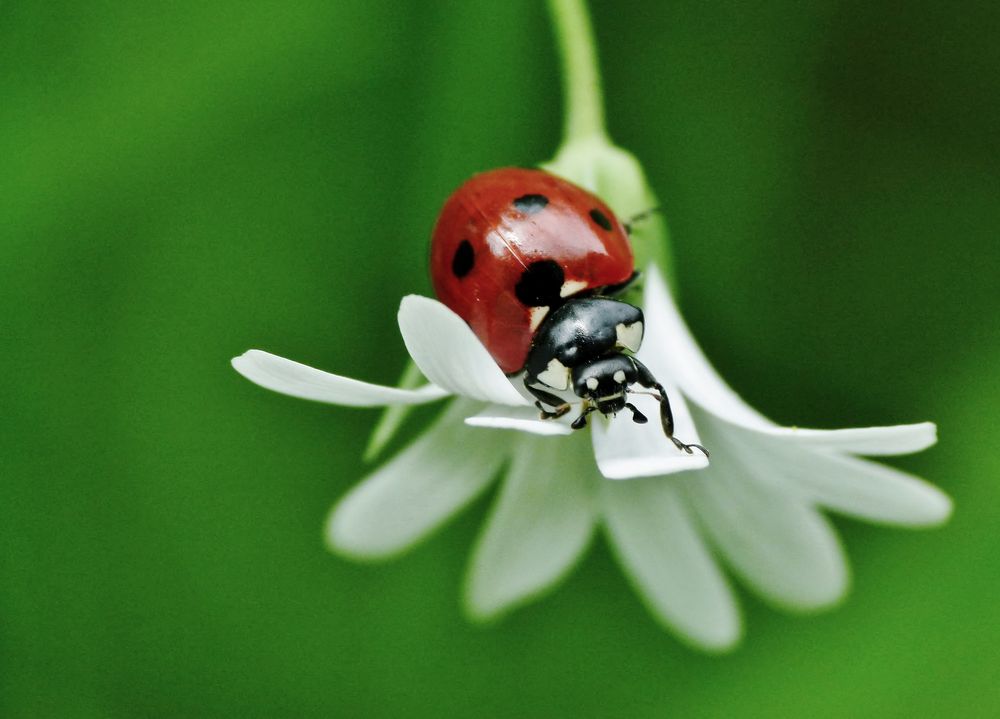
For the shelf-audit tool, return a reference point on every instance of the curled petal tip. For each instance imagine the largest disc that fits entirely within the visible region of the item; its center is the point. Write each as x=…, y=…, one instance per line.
x=450, y=355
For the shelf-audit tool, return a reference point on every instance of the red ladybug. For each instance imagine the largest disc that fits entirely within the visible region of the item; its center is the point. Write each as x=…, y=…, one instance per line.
x=512, y=244
x=528, y=260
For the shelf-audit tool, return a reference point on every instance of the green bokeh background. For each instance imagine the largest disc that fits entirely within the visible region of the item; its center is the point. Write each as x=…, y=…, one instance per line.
x=179, y=183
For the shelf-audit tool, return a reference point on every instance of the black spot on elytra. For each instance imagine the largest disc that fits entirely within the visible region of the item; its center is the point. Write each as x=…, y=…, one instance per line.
x=530, y=204
x=464, y=259
x=600, y=218
x=540, y=284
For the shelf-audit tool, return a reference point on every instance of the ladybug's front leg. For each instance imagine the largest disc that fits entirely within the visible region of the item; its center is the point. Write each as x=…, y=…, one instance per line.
x=550, y=399
x=646, y=379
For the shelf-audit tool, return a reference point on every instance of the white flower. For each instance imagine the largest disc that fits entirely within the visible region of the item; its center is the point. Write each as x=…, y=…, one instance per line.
x=756, y=507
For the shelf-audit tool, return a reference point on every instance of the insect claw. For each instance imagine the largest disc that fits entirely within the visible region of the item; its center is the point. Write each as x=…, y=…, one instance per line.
x=688, y=447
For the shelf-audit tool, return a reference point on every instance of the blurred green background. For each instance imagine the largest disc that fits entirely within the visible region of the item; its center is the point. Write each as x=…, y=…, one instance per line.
x=181, y=182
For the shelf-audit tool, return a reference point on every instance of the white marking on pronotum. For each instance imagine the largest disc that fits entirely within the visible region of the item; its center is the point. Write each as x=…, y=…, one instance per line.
x=537, y=315
x=610, y=396
x=571, y=287
x=619, y=376
x=629, y=336
x=556, y=375
x=592, y=383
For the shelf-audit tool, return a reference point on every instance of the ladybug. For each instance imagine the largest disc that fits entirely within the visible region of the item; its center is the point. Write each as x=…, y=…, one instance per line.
x=532, y=263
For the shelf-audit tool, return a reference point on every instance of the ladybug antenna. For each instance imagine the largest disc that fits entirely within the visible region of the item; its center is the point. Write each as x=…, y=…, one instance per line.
x=639, y=217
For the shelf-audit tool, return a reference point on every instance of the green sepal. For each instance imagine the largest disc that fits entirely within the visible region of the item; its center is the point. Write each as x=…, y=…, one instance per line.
x=393, y=416
x=614, y=175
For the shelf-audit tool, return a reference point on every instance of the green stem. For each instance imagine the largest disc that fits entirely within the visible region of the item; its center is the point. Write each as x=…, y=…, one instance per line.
x=581, y=77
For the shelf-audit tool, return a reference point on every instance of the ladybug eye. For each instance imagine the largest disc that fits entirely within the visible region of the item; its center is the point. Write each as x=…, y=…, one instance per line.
x=464, y=259
x=540, y=284
x=530, y=204
x=600, y=218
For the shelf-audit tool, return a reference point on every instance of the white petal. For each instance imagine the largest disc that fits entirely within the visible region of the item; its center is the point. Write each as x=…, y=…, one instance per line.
x=299, y=380
x=450, y=355
x=624, y=449
x=670, y=350
x=539, y=526
x=872, y=441
x=773, y=539
x=525, y=419
x=872, y=491
x=424, y=485
x=856, y=487
x=662, y=553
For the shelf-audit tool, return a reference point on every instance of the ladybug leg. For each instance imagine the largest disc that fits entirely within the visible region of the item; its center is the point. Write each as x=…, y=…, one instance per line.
x=581, y=421
x=637, y=416
x=550, y=399
x=646, y=379
x=559, y=412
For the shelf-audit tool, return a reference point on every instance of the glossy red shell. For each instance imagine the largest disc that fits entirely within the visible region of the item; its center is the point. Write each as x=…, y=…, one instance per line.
x=574, y=229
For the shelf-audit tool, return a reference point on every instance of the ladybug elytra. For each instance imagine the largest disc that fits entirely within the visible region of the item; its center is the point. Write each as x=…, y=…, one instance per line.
x=532, y=263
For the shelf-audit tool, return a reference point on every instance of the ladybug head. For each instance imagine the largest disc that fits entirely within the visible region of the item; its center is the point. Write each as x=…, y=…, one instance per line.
x=604, y=382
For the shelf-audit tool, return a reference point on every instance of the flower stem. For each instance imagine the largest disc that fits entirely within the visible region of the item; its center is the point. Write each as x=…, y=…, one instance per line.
x=584, y=116
x=586, y=155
